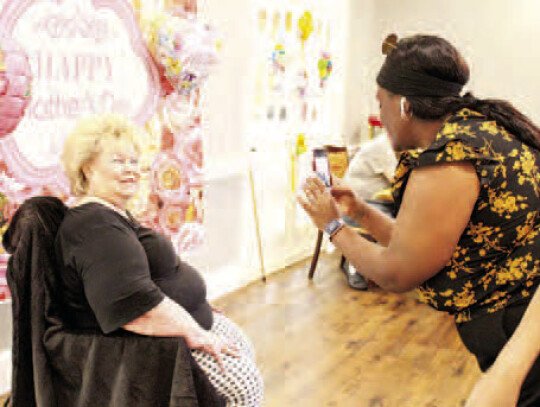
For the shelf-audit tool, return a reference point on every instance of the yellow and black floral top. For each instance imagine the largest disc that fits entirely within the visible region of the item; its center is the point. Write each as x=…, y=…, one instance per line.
x=497, y=259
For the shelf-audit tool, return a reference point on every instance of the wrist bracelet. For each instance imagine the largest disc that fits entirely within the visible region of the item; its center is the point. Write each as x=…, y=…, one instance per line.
x=333, y=227
x=339, y=229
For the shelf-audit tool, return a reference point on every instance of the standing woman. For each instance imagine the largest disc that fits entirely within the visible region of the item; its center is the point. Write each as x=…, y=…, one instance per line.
x=467, y=193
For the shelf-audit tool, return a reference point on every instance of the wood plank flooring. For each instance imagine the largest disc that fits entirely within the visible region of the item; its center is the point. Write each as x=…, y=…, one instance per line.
x=323, y=344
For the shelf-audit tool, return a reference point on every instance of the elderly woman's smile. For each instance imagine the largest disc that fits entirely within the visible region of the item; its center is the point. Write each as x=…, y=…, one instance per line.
x=114, y=173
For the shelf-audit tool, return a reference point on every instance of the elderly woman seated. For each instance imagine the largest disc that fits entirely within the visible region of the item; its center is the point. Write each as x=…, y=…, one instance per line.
x=115, y=277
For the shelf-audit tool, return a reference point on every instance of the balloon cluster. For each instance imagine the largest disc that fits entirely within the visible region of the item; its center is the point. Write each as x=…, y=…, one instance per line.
x=184, y=49
x=15, y=85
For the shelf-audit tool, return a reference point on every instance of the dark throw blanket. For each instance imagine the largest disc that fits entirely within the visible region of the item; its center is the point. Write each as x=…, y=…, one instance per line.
x=57, y=367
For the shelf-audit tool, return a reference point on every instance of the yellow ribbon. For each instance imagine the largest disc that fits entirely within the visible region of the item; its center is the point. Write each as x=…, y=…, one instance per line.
x=299, y=149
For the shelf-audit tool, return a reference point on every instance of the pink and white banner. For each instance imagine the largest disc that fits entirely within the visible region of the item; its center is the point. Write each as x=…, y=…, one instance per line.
x=89, y=57
x=86, y=57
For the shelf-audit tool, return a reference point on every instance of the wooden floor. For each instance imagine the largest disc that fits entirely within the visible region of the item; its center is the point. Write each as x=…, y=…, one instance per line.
x=321, y=343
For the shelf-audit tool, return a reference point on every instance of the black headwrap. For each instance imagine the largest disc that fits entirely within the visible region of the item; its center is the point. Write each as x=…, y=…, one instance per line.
x=406, y=82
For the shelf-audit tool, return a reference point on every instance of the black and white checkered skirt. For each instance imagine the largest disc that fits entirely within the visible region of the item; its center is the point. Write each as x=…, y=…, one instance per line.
x=241, y=383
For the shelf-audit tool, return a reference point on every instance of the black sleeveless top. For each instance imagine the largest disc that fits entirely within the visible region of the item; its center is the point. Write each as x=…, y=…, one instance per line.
x=111, y=271
x=497, y=260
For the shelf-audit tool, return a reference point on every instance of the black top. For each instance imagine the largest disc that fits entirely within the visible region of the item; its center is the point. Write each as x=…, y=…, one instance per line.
x=497, y=259
x=112, y=271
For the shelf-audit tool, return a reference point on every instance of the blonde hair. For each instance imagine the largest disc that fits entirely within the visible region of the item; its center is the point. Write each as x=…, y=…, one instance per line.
x=85, y=143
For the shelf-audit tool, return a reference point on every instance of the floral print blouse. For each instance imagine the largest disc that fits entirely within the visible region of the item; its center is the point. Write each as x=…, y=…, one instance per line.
x=497, y=260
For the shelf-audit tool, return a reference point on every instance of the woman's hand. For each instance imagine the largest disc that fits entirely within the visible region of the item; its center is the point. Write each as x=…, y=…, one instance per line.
x=169, y=319
x=495, y=388
x=318, y=202
x=210, y=343
x=348, y=202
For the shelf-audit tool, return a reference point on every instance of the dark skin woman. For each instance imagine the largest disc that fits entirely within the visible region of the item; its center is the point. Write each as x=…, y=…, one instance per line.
x=467, y=230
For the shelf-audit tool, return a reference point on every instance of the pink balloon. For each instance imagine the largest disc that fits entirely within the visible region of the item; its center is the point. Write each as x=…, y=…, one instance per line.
x=15, y=85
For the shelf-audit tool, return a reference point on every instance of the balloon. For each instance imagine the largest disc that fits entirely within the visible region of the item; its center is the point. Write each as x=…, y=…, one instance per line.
x=15, y=85
x=183, y=48
x=305, y=25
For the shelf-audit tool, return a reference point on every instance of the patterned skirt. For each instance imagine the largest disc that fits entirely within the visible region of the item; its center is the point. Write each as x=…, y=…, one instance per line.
x=241, y=384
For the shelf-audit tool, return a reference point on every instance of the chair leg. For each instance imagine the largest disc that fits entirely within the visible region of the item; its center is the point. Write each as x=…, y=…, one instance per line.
x=315, y=257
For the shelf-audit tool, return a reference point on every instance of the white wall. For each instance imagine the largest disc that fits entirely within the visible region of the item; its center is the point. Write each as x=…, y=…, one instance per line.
x=498, y=38
x=230, y=258
x=361, y=65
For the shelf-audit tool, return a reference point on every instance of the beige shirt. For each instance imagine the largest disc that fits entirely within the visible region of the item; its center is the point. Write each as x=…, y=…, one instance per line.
x=372, y=167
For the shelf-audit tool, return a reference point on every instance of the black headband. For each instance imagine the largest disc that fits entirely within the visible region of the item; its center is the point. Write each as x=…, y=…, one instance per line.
x=411, y=83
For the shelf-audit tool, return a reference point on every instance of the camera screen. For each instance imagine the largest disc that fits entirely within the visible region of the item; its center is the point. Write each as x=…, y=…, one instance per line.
x=322, y=169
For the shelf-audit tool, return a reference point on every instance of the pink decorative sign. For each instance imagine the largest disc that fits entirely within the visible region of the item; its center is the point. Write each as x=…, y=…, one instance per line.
x=15, y=82
x=86, y=57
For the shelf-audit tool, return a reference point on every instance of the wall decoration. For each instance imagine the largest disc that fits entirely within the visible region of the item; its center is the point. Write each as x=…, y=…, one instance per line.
x=184, y=48
x=68, y=53
x=15, y=80
x=84, y=57
x=77, y=70
x=293, y=79
x=305, y=26
x=325, y=67
x=298, y=67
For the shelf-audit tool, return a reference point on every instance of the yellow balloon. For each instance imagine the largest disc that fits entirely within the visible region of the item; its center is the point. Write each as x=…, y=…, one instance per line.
x=305, y=25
